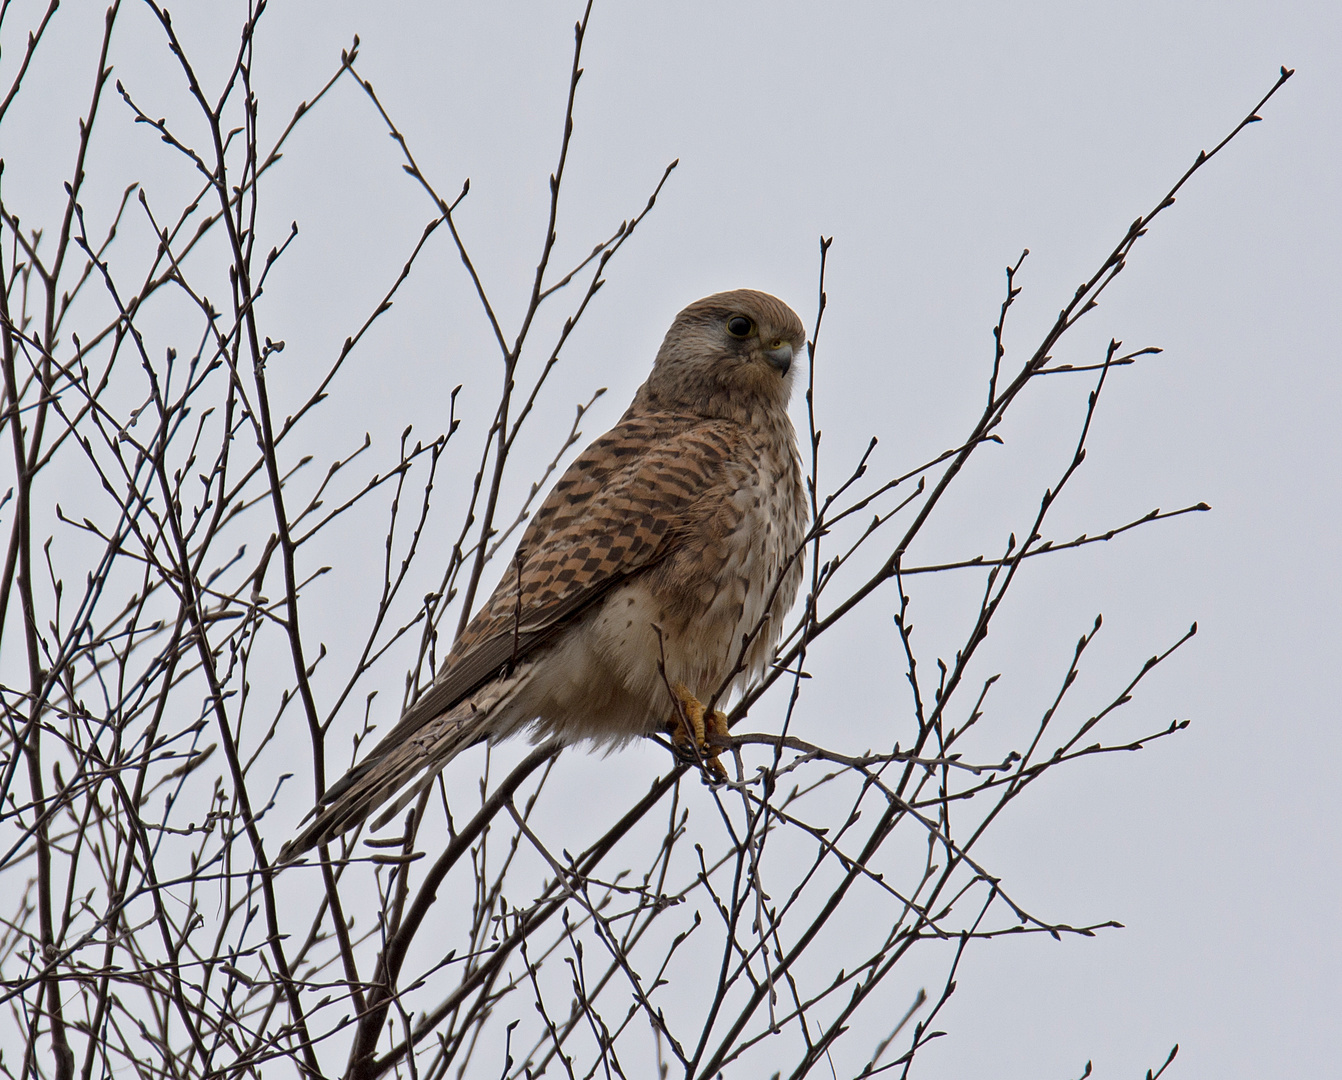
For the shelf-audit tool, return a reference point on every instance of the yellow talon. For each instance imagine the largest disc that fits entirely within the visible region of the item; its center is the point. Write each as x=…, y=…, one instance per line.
x=691, y=731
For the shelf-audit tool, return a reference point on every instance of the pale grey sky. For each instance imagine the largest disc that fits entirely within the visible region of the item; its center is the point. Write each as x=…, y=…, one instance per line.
x=933, y=142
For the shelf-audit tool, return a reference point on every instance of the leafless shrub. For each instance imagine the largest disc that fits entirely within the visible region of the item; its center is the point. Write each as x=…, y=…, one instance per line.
x=155, y=708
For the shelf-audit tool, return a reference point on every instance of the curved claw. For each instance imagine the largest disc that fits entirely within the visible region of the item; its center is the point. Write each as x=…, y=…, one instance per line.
x=692, y=728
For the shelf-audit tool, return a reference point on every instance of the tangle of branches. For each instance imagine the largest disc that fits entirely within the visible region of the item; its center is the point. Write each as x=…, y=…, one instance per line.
x=166, y=713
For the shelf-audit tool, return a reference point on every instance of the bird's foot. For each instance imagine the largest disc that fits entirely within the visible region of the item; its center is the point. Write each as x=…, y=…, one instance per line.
x=694, y=731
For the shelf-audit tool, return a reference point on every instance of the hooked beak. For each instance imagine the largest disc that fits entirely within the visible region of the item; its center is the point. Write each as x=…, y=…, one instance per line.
x=780, y=357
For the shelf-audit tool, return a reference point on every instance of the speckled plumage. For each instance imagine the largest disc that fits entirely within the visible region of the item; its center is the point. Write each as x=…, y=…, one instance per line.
x=684, y=516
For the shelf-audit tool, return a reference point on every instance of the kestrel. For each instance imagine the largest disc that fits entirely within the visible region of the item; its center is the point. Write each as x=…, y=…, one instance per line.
x=662, y=562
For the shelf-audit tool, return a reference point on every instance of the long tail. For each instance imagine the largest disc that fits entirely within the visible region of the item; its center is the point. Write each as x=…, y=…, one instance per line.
x=393, y=764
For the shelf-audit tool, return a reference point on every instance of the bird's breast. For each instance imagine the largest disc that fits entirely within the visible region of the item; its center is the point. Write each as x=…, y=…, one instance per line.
x=733, y=579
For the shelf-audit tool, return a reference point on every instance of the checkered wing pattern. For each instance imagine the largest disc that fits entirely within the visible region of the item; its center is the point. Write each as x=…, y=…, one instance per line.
x=615, y=511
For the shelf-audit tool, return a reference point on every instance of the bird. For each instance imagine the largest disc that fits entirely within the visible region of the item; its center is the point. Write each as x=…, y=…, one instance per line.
x=655, y=575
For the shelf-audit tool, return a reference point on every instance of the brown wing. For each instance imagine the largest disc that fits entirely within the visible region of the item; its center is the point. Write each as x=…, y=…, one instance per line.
x=614, y=512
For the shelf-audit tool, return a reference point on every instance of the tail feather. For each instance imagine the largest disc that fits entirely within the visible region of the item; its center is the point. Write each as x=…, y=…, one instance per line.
x=404, y=799
x=392, y=765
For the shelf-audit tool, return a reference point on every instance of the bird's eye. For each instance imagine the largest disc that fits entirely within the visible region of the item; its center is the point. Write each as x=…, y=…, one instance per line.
x=740, y=326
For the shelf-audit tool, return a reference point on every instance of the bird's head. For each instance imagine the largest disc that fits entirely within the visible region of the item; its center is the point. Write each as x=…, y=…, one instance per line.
x=729, y=354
